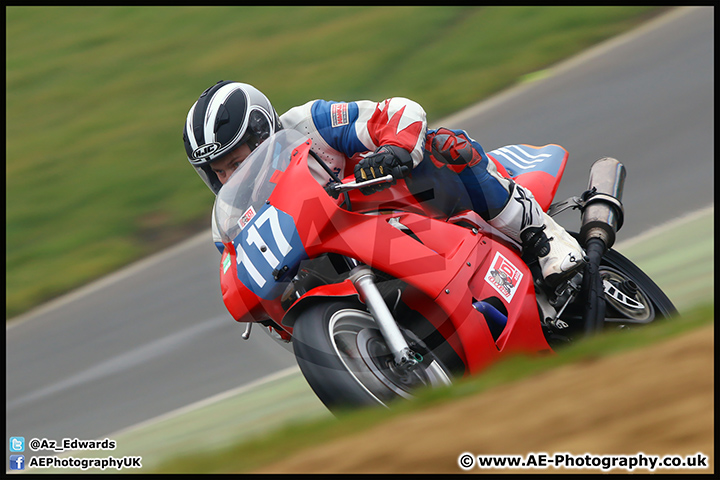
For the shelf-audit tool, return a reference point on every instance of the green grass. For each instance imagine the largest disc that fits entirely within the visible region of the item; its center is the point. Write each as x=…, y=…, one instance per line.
x=96, y=99
x=247, y=456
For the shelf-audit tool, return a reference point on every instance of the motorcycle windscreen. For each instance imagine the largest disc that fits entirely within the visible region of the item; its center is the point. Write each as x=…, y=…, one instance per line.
x=249, y=187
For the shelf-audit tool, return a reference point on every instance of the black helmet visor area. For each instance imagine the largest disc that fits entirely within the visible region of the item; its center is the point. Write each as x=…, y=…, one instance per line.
x=209, y=177
x=259, y=128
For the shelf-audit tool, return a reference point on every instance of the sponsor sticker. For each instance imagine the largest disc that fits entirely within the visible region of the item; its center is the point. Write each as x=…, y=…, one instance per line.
x=246, y=217
x=226, y=263
x=503, y=276
x=339, y=114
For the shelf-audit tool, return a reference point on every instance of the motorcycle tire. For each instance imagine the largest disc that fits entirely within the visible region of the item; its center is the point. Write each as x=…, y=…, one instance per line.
x=625, y=307
x=347, y=363
x=636, y=298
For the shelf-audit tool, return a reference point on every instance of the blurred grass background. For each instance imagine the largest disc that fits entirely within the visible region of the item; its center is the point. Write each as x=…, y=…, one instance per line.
x=96, y=175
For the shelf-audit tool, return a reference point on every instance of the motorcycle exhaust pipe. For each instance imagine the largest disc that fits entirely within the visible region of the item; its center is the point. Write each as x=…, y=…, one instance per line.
x=603, y=214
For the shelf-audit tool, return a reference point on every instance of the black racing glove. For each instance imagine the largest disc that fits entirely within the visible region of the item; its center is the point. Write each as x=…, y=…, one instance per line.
x=387, y=159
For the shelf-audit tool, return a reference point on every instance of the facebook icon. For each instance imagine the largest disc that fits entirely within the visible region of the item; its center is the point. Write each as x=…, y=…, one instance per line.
x=17, y=462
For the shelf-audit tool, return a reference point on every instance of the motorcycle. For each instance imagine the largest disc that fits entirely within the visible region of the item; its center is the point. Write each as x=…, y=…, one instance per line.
x=380, y=295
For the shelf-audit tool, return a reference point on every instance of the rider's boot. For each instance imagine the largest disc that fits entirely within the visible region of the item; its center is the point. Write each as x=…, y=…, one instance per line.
x=522, y=219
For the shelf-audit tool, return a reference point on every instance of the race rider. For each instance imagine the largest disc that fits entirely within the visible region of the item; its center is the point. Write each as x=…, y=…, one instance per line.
x=370, y=140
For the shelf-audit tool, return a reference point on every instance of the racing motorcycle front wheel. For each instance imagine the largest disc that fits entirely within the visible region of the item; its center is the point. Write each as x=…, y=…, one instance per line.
x=347, y=363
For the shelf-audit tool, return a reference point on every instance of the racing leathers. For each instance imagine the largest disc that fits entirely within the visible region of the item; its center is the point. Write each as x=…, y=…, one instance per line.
x=449, y=169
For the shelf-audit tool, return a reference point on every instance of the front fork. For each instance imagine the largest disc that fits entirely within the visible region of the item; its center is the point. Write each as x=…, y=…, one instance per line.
x=364, y=281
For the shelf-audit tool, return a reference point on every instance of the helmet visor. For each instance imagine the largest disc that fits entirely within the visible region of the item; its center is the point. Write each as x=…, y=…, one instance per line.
x=259, y=128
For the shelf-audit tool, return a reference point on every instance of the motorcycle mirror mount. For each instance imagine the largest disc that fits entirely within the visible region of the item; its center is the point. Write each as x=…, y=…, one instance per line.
x=246, y=333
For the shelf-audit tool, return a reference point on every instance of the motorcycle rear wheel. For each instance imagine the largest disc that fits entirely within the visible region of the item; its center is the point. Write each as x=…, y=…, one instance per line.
x=631, y=299
x=347, y=363
x=645, y=305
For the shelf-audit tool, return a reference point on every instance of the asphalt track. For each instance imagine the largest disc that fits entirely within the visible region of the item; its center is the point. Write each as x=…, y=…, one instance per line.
x=155, y=337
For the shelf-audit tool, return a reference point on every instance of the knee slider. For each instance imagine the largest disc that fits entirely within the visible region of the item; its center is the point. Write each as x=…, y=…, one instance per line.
x=448, y=148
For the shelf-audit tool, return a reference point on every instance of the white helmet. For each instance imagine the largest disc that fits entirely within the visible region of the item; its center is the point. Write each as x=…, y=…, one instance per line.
x=226, y=115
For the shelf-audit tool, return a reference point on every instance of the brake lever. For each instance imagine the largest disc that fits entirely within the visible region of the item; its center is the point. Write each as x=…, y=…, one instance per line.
x=344, y=187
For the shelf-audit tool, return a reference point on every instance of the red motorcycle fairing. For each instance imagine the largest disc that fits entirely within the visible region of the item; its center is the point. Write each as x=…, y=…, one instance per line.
x=446, y=266
x=242, y=304
x=451, y=311
x=331, y=290
x=538, y=169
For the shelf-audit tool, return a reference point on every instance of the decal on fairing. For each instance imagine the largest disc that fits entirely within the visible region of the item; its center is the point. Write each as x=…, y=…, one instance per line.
x=503, y=276
x=269, y=251
x=246, y=217
x=226, y=263
x=519, y=159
